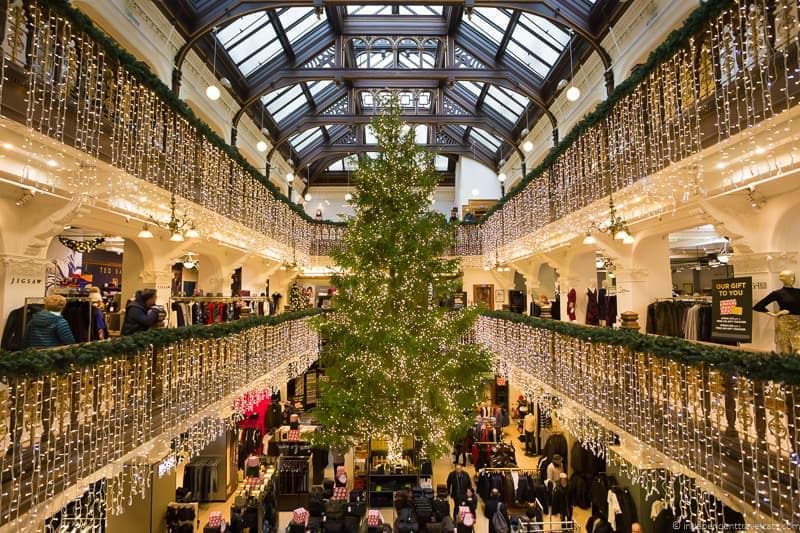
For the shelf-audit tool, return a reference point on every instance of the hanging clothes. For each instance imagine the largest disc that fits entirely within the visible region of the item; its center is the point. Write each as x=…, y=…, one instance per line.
x=556, y=310
x=610, y=313
x=592, y=308
x=572, y=298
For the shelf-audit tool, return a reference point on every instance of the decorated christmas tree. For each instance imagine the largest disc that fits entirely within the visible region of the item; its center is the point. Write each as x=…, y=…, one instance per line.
x=395, y=362
x=297, y=300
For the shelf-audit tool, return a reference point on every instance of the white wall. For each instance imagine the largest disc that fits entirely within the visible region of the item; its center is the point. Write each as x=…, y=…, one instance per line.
x=331, y=201
x=472, y=175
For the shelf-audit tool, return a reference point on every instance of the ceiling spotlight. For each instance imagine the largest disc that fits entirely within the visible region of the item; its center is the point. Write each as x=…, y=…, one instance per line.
x=188, y=264
x=759, y=150
x=289, y=177
x=475, y=192
x=225, y=82
x=192, y=233
x=628, y=239
x=589, y=239
x=265, y=132
x=8, y=146
x=348, y=197
x=501, y=162
x=145, y=233
x=501, y=177
x=261, y=146
x=528, y=146
x=290, y=162
x=524, y=132
x=721, y=165
x=212, y=92
x=573, y=94
x=599, y=263
x=561, y=84
x=52, y=163
x=176, y=237
x=307, y=197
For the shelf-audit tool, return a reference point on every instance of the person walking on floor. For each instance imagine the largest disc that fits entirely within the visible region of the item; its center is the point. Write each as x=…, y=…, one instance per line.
x=490, y=507
x=47, y=328
x=457, y=484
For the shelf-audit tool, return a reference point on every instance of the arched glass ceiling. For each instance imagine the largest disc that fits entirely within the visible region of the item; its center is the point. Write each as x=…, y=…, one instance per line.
x=270, y=47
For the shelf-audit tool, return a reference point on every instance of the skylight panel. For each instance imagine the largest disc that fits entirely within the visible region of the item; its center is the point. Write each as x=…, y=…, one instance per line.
x=420, y=10
x=303, y=140
x=369, y=10
x=421, y=134
x=369, y=135
x=317, y=86
x=299, y=21
x=471, y=87
x=281, y=103
x=537, y=43
x=485, y=138
x=344, y=164
x=491, y=22
x=507, y=103
x=250, y=41
x=441, y=163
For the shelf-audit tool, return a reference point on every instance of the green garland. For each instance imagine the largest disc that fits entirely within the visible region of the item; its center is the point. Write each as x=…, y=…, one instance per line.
x=36, y=362
x=144, y=75
x=783, y=368
x=675, y=41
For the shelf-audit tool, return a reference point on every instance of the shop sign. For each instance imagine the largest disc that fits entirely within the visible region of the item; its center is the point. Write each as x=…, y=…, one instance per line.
x=732, y=309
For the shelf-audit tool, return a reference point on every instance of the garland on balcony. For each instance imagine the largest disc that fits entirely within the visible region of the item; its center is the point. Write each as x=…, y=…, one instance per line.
x=675, y=41
x=37, y=362
x=783, y=368
x=142, y=72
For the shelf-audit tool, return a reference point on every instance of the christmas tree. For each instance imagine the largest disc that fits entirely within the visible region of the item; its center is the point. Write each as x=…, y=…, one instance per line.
x=297, y=300
x=395, y=362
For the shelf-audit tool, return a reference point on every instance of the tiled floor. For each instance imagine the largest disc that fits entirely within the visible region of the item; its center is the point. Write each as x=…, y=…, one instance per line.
x=441, y=469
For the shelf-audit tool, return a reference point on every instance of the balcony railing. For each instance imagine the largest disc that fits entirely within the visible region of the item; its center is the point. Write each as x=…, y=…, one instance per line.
x=77, y=415
x=724, y=418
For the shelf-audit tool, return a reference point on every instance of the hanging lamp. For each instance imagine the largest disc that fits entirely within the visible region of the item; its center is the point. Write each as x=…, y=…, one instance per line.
x=212, y=91
x=573, y=93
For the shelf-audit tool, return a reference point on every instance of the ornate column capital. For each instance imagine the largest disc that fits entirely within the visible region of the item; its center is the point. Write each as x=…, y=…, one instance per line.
x=159, y=279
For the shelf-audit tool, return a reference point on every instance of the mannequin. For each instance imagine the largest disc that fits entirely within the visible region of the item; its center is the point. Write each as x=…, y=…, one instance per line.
x=592, y=307
x=787, y=323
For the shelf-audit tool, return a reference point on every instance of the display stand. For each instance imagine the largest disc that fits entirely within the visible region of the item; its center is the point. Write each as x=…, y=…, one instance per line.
x=251, y=501
x=294, y=476
x=182, y=516
x=383, y=479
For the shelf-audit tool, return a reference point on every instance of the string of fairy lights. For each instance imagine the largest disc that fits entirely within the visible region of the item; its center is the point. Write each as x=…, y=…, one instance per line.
x=65, y=431
x=735, y=433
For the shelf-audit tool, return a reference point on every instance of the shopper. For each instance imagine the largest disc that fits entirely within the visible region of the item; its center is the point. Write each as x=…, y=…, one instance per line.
x=469, y=500
x=460, y=451
x=561, y=499
x=141, y=313
x=490, y=507
x=48, y=328
x=529, y=426
x=99, y=329
x=554, y=470
x=457, y=484
x=500, y=522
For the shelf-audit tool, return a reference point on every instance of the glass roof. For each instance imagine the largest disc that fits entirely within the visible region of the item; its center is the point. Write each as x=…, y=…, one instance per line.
x=257, y=42
x=250, y=41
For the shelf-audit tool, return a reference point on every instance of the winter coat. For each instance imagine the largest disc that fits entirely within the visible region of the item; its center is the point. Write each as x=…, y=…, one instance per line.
x=138, y=317
x=48, y=329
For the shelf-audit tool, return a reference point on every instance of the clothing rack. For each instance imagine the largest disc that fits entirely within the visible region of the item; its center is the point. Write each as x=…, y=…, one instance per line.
x=702, y=299
x=40, y=301
x=556, y=526
x=509, y=469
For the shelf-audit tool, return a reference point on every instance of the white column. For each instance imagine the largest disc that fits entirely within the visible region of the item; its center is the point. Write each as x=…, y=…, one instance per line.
x=161, y=281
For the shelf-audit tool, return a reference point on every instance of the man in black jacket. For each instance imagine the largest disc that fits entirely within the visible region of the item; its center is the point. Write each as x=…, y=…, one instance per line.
x=141, y=313
x=457, y=484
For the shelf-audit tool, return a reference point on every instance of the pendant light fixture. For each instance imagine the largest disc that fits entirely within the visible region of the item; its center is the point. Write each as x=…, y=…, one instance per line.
x=573, y=93
x=212, y=91
x=527, y=146
x=261, y=146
